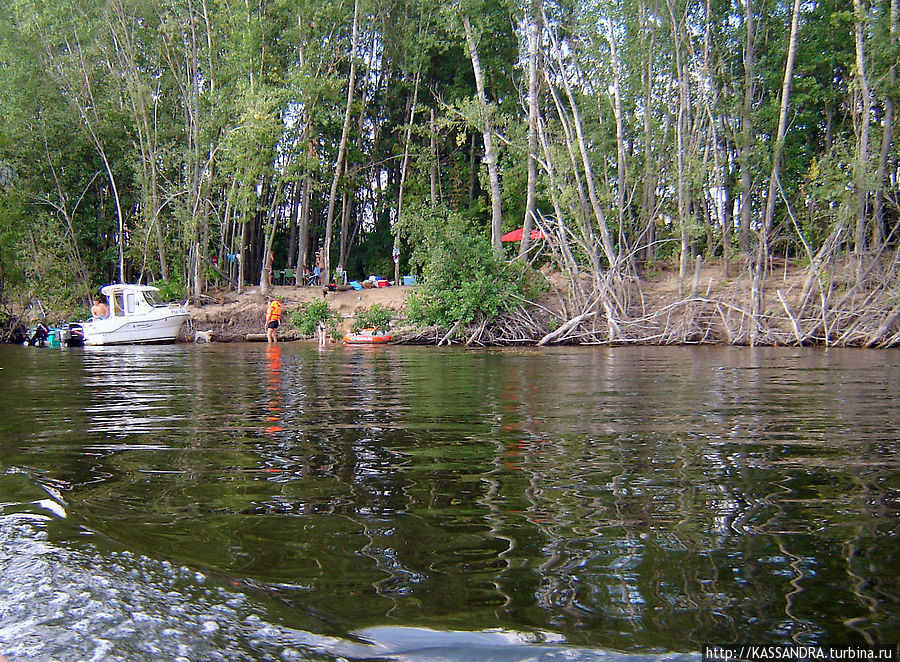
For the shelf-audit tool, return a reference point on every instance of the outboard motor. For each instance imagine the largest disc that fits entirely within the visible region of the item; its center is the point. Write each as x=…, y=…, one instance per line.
x=73, y=335
x=38, y=335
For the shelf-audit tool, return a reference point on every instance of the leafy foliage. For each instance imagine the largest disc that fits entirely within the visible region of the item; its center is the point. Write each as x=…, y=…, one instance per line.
x=171, y=290
x=12, y=274
x=307, y=317
x=376, y=316
x=462, y=277
x=165, y=149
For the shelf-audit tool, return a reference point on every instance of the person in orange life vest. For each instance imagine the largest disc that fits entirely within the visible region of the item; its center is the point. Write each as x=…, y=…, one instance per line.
x=273, y=317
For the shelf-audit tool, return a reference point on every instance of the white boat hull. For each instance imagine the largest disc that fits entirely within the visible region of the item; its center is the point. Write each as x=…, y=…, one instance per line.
x=136, y=317
x=117, y=331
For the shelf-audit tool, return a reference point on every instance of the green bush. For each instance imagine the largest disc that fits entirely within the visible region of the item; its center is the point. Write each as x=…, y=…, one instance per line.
x=307, y=317
x=376, y=316
x=171, y=290
x=531, y=283
x=463, y=279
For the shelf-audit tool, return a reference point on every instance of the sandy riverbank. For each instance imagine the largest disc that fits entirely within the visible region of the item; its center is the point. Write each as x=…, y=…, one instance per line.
x=231, y=316
x=707, y=306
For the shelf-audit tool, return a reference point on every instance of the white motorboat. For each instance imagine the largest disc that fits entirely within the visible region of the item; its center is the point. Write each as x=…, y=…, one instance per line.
x=136, y=315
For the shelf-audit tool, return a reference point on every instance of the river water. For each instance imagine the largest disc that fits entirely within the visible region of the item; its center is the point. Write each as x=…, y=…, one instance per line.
x=247, y=502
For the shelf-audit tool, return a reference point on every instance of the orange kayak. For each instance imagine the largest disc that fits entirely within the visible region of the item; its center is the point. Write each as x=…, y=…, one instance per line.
x=367, y=336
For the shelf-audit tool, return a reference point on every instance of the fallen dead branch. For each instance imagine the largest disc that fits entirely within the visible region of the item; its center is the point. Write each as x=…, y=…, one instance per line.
x=822, y=306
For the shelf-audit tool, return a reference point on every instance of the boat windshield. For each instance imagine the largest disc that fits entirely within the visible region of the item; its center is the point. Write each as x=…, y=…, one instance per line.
x=153, y=299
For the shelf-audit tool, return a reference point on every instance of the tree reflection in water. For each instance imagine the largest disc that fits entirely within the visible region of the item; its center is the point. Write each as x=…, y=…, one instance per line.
x=639, y=499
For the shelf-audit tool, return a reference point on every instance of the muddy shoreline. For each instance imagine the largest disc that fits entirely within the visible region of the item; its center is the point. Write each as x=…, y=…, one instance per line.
x=709, y=308
x=232, y=317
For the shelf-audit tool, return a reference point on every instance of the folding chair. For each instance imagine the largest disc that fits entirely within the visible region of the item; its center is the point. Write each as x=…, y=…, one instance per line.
x=288, y=278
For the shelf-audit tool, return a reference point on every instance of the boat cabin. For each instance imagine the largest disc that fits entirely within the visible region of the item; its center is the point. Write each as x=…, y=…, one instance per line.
x=136, y=315
x=126, y=300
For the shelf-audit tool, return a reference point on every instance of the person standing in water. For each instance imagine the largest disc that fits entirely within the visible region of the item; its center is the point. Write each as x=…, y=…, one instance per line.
x=273, y=319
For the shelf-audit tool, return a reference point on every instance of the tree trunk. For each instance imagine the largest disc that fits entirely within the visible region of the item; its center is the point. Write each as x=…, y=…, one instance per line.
x=584, y=205
x=878, y=221
x=269, y=240
x=681, y=193
x=303, y=230
x=194, y=138
x=395, y=253
x=727, y=215
x=648, y=195
x=561, y=231
x=80, y=95
x=229, y=229
x=862, y=145
x=621, y=175
x=347, y=202
x=778, y=149
x=342, y=147
x=294, y=196
x=351, y=198
x=434, y=162
x=599, y=217
x=534, y=28
x=746, y=153
x=718, y=184
x=759, y=266
x=490, y=157
x=473, y=170
x=121, y=30
x=242, y=255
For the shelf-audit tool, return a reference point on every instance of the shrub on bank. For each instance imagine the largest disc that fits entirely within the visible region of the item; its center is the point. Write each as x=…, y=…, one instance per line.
x=171, y=290
x=376, y=316
x=307, y=317
x=463, y=278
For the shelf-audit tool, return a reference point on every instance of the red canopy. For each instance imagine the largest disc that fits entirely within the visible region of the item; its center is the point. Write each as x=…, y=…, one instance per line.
x=516, y=235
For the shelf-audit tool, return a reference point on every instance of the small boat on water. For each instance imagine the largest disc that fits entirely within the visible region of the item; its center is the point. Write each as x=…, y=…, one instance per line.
x=39, y=336
x=368, y=336
x=70, y=335
x=136, y=315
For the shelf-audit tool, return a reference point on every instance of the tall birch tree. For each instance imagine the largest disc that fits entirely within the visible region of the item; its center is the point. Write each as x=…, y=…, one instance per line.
x=342, y=146
x=532, y=38
x=490, y=157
